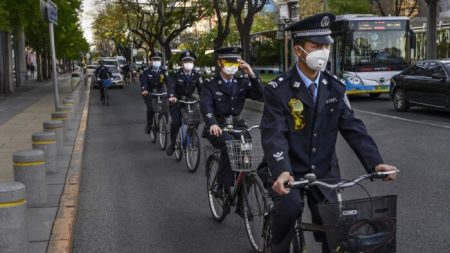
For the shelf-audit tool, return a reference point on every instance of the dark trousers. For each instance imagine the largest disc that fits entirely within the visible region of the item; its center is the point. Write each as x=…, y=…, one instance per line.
x=286, y=210
x=176, y=117
x=150, y=113
x=102, y=91
x=225, y=175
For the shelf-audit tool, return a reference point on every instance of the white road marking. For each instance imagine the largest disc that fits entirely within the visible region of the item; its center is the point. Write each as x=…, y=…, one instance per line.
x=422, y=122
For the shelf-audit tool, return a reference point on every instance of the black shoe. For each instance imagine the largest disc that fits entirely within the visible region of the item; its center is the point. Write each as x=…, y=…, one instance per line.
x=220, y=191
x=170, y=149
x=148, y=129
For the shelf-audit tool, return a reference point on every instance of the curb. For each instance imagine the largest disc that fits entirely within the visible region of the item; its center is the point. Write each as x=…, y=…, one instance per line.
x=62, y=235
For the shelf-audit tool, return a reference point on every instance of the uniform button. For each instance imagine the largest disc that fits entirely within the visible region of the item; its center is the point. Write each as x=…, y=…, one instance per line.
x=315, y=134
x=232, y=108
x=232, y=98
x=314, y=150
x=313, y=167
x=332, y=110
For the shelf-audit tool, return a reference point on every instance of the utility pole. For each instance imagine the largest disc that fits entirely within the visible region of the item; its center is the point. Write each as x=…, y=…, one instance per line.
x=431, y=29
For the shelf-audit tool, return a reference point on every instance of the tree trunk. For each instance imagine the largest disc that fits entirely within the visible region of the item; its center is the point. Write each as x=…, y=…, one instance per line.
x=246, y=42
x=431, y=29
x=39, y=66
x=6, y=80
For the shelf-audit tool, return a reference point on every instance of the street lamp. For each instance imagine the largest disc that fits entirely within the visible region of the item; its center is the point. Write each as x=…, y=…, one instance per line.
x=288, y=13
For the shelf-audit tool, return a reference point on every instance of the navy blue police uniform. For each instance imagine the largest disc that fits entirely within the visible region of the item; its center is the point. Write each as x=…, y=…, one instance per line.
x=103, y=73
x=153, y=81
x=299, y=132
x=221, y=104
x=182, y=85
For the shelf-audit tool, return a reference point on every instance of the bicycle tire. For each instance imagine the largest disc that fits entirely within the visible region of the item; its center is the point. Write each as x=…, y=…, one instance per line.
x=162, y=131
x=296, y=245
x=256, y=207
x=193, y=150
x=178, y=147
x=218, y=207
x=154, y=131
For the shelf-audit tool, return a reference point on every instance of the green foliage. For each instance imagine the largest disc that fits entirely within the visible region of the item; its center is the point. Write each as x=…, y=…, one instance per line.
x=4, y=16
x=264, y=21
x=339, y=7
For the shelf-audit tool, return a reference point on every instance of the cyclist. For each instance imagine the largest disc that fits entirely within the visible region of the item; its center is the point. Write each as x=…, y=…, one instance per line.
x=102, y=73
x=126, y=73
x=182, y=85
x=222, y=101
x=153, y=80
x=304, y=110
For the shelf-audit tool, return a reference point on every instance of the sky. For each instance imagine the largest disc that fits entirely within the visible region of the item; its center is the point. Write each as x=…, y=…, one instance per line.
x=86, y=19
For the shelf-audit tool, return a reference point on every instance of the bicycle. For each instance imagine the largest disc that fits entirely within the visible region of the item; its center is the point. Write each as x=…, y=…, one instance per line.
x=159, y=121
x=245, y=155
x=361, y=225
x=187, y=138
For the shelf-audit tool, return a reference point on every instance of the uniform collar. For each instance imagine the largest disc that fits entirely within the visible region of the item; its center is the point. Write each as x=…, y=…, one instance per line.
x=305, y=79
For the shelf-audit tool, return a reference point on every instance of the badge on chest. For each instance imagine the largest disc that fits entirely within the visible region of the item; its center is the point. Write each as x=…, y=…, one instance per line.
x=296, y=107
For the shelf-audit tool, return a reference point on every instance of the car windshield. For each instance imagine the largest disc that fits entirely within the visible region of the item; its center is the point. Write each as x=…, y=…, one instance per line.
x=377, y=51
x=110, y=63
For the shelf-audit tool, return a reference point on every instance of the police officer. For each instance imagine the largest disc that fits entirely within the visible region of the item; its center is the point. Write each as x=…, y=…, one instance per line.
x=303, y=112
x=222, y=101
x=153, y=81
x=102, y=73
x=182, y=85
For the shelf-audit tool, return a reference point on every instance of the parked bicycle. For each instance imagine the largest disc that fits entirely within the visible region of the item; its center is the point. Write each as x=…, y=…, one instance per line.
x=248, y=195
x=188, y=141
x=159, y=121
x=354, y=226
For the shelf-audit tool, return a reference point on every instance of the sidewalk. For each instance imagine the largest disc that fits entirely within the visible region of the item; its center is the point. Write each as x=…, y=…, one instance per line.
x=21, y=115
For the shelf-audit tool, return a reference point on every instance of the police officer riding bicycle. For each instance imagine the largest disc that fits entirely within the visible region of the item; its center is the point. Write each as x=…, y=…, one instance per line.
x=182, y=84
x=222, y=101
x=102, y=73
x=154, y=80
x=304, y=110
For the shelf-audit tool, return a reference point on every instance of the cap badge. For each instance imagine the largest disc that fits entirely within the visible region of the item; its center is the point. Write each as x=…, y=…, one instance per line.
x=187, y=54
x=325, y=21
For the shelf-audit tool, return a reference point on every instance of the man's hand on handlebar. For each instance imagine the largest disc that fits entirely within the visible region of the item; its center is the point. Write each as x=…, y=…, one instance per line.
x=145, y=93
x=172, y=100
x=278, y=185
x=215, y=130
x=385, y=167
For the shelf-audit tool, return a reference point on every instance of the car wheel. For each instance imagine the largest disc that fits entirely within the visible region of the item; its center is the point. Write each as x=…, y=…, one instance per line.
x=400, y=100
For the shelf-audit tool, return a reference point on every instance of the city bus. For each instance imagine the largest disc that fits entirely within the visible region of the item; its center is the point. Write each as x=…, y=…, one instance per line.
x=368, y=50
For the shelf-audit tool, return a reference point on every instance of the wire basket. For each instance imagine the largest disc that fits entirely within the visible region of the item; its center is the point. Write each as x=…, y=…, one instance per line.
x=192, y=117
x=245, y=155
x=161, y=106
x=362, y=225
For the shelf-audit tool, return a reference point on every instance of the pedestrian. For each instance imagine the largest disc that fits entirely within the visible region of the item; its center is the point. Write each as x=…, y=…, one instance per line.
x=153, y=80
x=182, y=85
x=102, y=73
x=32, y=69
x=221, y=102
x=304, y=110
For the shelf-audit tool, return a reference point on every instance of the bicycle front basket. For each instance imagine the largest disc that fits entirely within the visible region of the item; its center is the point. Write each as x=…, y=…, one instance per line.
x=161, y=106
x=361, y=225
x=191, y=117
x=244, y=155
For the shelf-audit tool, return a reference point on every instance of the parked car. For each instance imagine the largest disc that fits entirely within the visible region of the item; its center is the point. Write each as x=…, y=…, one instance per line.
x=425, y=84
x=117, y=77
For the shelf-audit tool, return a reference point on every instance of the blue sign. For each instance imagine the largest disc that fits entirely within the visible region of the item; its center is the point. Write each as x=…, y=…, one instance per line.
x=52, y=12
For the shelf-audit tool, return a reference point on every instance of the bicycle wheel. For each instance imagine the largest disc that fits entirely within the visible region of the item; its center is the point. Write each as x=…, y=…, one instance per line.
x=153, y=132
x=162, y=129
x=179, y=146
x=192, y=150
x=217, y=206
x=296, y=245
x=256, y=207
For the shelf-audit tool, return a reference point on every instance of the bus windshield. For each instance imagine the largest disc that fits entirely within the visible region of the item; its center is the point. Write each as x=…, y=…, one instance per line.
x=376, y=50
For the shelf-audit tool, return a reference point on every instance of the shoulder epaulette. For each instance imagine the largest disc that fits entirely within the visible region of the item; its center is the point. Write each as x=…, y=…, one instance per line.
x=340, y=80
x=279, y=80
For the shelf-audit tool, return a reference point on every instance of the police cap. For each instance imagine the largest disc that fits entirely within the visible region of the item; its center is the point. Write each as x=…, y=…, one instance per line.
x=187, y=55
x=156, y=55
x=315, y=28
x=229, y=52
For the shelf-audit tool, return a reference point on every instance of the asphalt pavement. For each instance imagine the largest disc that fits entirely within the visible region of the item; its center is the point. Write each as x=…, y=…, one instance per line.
x=134, y=198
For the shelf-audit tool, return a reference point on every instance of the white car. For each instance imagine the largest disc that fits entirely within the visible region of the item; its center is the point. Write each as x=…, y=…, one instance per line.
x=117, y=78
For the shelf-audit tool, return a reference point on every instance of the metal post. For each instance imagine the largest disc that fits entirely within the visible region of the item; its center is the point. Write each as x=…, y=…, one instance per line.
x=54, y=76
x=286, y=51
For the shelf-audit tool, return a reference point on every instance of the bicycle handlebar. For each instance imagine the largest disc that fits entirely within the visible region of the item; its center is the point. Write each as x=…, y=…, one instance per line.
x=232, y=130
x=311, y=179
x=188, y=102
x=158, y=94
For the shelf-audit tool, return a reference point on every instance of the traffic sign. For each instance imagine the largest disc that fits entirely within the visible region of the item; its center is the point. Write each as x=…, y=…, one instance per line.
x=52, y=11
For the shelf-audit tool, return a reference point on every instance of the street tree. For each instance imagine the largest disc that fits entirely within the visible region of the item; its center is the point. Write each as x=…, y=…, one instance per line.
x=396, y=7
x=339, y=7
x=244, y=12
x=223, y=15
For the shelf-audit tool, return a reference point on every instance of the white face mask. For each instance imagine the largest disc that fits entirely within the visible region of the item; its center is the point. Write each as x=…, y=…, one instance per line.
x=188, y=66
x=230, y=70
x=156, y=64
x=317, y=60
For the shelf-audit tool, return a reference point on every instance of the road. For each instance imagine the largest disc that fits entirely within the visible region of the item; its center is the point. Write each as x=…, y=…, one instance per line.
x=133, y=198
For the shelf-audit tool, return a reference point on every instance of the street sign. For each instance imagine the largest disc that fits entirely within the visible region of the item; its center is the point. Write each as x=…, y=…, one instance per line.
x=52, y=11
x=43, y=7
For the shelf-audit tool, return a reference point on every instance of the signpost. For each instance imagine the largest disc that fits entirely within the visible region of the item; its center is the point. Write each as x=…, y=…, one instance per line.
x=49, y=11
